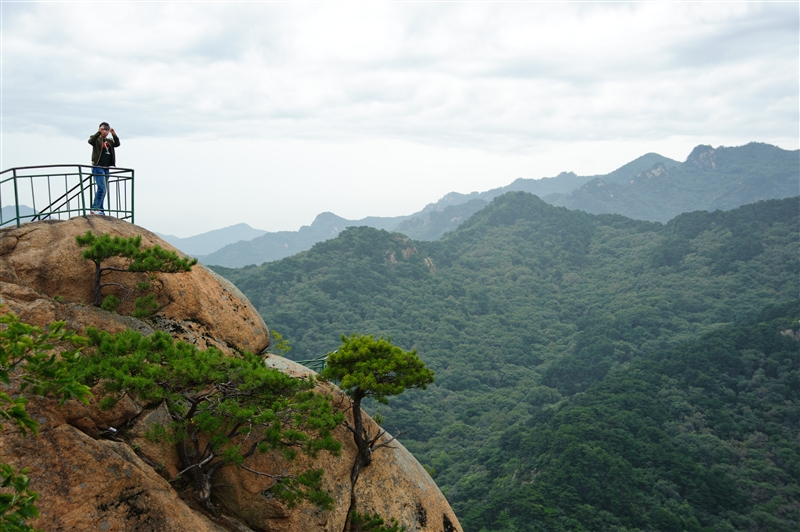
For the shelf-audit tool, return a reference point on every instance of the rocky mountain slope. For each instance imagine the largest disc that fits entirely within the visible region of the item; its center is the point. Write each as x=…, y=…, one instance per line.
x=651, y=187
x=710, y=179
x=95, y=470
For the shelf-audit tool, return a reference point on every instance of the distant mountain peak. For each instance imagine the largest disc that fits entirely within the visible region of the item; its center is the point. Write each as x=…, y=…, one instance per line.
x=593, y=184
x=451, y=198
x=658, y=170
x=327, y=218
x=703, y=156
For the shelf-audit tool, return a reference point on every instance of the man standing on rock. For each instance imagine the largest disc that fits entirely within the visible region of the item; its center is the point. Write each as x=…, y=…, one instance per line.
x=103, y=157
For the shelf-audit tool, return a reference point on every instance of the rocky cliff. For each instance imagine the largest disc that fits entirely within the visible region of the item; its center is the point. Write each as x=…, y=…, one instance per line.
x=93, y=478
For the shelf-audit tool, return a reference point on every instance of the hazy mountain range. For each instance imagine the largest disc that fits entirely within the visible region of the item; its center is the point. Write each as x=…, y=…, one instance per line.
x=9, y=212
x=211, y=241
x=593, y=372
x=651, y=187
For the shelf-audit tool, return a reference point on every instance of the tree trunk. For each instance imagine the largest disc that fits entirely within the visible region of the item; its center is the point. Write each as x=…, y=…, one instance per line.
x=363, y=458
x=202, y=488
x=201, y=480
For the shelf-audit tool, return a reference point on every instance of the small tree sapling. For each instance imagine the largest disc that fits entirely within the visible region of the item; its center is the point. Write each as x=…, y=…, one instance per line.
x=135, y=259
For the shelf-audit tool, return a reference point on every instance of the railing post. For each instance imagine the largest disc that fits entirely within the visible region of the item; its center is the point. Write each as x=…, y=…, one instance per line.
x=132, y=194
x=80, y=184
x=16, y=195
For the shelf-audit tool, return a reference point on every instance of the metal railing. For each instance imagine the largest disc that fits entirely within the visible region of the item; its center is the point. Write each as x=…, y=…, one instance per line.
x=317, y=364
x=61, y=191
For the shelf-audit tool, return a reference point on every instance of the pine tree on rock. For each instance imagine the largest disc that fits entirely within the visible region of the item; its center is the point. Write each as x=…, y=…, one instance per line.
x=136, y=259
x=366, y=367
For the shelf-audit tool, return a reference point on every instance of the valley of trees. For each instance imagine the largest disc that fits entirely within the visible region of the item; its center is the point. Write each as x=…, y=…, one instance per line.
x=593, y=372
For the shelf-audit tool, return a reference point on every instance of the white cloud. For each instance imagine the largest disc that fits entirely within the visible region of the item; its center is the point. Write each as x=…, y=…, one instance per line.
x=494, y=91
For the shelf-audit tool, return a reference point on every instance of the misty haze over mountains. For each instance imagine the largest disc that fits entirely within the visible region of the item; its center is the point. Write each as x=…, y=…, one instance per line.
x=651, y=187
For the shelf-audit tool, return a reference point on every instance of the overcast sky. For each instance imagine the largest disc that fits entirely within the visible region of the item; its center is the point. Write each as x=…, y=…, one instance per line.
x=271, y=113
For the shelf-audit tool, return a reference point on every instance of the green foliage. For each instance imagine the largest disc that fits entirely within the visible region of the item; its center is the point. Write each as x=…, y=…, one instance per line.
x=366, y=367
x=373, y=523
x=377, y=369
x=103, y=247
x=278, y=344
x=29, y=353
x=305, y=486
x=135, y=258
x=523, y=310
x=28, y=356
x=435, y=223
x=17, y=501
x=146, y=306
x=235, y=404
x=110, y=303
x=147, y=259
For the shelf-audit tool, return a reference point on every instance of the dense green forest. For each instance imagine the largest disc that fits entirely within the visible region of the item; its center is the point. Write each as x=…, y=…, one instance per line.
x=592, y=371
x=703, y=436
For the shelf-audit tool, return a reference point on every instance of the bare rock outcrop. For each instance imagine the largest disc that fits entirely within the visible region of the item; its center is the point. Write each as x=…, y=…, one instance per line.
x=199, y=307
x=93, y=478
x=91, y=484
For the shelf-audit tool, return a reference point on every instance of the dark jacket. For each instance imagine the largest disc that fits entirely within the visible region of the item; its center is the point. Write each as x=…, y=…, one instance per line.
x=97, y=148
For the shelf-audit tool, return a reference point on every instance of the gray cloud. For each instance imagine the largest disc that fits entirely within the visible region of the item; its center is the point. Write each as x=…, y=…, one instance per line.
x=499, y=76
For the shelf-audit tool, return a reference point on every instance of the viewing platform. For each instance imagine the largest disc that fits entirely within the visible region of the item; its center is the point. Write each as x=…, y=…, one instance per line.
x=60, y=192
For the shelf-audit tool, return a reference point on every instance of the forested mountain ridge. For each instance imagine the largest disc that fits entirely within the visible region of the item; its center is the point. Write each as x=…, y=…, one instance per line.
x=275, y=246
x=527, y=306
x=455, y=208
x=710, y=179
x=651, y=187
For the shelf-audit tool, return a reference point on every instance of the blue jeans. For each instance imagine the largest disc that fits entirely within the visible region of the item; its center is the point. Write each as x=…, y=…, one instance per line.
x=100, y=175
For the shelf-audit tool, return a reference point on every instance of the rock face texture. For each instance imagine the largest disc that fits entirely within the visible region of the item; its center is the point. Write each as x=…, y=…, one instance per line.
x=199, y=307
x=89, y=484
x=91, y=477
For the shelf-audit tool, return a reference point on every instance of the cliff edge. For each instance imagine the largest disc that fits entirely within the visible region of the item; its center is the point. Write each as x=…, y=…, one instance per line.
x=93, y=478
